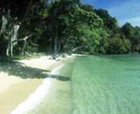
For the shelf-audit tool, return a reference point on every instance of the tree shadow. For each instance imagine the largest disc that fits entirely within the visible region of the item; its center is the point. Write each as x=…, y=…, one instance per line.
x=21, y=70
x=58, y=77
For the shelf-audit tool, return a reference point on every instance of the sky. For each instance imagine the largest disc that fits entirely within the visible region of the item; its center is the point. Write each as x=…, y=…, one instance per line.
x=123, y=10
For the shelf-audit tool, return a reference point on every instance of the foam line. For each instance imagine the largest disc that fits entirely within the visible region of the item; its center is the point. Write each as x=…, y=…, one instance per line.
x=36, y=97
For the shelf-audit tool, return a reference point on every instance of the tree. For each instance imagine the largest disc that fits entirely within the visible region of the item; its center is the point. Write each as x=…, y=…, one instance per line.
x=109, y=22
x=132, y=34
x=87, y=7
x=68, y=16
x=16, y=12
x=62, y=26
x=9, y=32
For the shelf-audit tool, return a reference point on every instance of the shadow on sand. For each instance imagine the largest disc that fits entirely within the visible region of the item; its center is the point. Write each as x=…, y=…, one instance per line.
x=21, y=70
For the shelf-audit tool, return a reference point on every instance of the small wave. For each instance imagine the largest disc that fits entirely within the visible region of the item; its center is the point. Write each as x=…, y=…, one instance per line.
x=36, y=97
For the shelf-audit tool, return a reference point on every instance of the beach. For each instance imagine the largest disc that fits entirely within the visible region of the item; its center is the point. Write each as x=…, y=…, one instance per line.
x=14, y=90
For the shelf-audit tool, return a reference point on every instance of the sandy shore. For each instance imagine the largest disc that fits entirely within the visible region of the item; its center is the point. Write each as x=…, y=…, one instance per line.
x=36, y=97
x=14, y=90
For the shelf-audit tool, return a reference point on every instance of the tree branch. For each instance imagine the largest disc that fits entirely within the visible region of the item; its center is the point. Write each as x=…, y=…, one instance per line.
x=22, y=39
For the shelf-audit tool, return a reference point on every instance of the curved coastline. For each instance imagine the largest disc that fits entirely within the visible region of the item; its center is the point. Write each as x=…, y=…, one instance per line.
x=36, y=97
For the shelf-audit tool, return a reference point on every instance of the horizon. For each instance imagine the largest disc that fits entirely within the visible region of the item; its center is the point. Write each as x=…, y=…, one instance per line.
x=124, y=11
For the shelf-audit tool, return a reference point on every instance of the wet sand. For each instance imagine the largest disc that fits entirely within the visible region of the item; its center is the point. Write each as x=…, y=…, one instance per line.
x=16, y=94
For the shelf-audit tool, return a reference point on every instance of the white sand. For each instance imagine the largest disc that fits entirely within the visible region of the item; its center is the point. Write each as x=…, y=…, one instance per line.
x=30, y=97
x=36, y=97
x=7, y=82
x=42, y=63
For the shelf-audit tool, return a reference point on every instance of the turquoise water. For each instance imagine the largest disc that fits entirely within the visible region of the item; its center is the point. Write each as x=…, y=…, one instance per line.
x=106, y=85
x=95, y=85
x=58, y=99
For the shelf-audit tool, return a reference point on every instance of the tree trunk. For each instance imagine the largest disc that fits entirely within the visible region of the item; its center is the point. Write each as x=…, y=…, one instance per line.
x=59, y=46
x=11, y=50
x=8, y=38
x=55, y=46
x=11, y=27
x=4, y=23
x=8, y=49
x=12, y=36
x=55, y=41
x=24, y=47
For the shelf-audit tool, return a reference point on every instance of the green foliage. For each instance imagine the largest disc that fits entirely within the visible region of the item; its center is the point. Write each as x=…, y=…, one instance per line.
x=69, y=18
x=87, y=7
x=69, y=26
x=133, y=34
x=109, y=22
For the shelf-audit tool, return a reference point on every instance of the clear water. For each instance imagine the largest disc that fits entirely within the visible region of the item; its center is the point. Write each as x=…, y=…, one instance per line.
x=97, y=85
x=106, y=85
x=58, y=99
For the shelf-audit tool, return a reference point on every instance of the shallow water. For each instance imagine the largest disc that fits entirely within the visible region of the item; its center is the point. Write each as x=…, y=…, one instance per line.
x=95, y=85
x=106, y=85
x=58, y=99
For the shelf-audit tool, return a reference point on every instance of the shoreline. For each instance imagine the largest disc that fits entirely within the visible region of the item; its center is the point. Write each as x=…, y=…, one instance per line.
x=14, y=89
x=21, y=89
x=36, y=97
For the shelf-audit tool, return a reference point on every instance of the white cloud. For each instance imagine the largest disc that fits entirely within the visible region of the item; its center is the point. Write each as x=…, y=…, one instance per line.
x=135, y=21
x=127, y=12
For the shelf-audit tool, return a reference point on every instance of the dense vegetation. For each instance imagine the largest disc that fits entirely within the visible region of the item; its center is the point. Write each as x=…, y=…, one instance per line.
x=56, y=26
